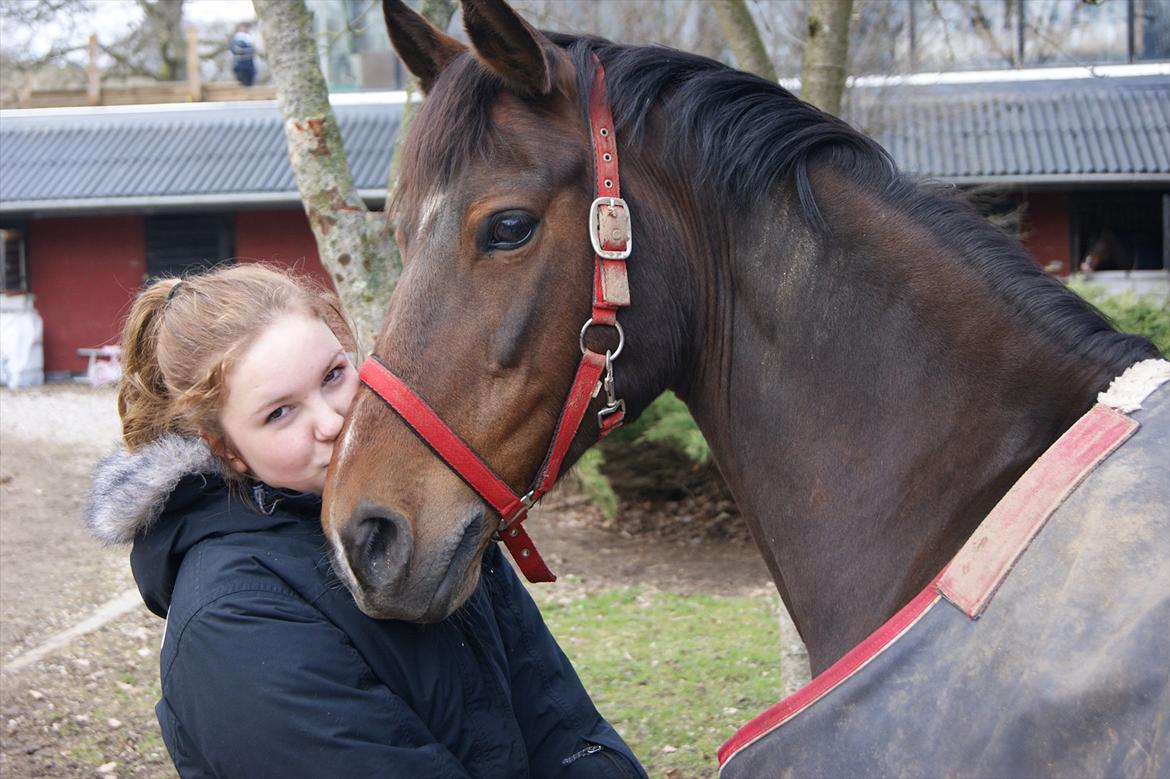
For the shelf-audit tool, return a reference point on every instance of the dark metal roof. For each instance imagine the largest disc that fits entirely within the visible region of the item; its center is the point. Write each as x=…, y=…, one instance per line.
x=168, y=157
x=165, y=156
x=1038, y=131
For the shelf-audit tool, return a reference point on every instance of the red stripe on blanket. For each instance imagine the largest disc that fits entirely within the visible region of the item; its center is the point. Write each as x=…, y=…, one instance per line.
x=852, y=662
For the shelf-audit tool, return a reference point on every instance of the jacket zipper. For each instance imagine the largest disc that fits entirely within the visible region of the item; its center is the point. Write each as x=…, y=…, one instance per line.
x=589, y=750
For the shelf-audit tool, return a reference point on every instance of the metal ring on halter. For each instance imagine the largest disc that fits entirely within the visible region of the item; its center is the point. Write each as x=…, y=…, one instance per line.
x=621, y=337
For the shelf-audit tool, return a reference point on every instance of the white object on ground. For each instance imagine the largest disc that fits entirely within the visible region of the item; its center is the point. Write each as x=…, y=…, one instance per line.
x=22, y=354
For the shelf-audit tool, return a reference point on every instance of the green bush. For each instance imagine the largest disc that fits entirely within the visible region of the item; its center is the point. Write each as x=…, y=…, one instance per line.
x=1145, y=315
x=594, y=483
x=665, y=421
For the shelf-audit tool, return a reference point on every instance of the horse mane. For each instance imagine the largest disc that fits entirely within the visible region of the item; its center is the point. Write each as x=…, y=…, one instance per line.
x=747, y=135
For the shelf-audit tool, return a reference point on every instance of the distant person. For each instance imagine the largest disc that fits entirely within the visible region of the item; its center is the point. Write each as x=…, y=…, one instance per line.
x=243, y=49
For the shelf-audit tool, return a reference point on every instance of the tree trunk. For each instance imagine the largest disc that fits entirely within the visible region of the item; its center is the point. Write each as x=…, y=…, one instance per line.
x=354, y=244
x=164, y=20
x=826, y=52
x=743, y=37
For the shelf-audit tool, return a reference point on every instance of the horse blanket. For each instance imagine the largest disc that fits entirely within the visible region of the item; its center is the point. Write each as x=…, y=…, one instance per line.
x=1043, y=649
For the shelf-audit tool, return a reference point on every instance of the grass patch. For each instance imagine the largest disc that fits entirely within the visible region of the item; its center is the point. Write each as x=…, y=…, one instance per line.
x=675, y=674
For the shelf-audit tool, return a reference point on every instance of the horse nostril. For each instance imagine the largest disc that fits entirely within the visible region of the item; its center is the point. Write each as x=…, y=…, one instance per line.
x=378, y=548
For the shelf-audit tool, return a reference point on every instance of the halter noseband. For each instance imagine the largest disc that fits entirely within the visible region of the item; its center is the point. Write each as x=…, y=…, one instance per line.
x=609, y=232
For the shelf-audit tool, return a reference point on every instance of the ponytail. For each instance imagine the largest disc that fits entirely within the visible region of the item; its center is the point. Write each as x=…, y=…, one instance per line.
x=144, y=401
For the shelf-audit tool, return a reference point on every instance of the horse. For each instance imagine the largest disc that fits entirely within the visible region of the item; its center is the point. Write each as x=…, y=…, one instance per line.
x=1107, y=251
x=872, y=364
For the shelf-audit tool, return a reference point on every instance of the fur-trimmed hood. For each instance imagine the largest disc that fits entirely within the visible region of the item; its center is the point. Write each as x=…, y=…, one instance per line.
x=172, y=495
x=130, y=489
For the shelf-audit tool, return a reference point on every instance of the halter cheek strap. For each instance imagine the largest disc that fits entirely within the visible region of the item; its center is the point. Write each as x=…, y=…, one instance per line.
x=609, y=232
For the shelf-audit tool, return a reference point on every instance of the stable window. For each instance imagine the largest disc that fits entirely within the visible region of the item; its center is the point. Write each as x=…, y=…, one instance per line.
x=15, y=254
x=1120, y=230
x=180, y=244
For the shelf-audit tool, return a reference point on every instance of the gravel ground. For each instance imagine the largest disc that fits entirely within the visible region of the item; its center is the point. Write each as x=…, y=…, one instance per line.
x=85, y=710
x=73, y=415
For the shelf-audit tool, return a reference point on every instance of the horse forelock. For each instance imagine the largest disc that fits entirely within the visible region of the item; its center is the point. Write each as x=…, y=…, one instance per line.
x=453, y=126
x=456, y=127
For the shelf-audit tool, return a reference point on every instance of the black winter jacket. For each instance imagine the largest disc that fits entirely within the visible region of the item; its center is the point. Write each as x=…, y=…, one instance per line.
x=269, y=669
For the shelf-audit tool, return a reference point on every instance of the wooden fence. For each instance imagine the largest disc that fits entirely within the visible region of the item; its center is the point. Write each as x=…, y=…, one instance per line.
x=191, y=90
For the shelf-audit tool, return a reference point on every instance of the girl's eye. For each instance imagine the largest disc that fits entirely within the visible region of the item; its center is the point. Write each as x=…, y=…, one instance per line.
x=509, y=230
x=279, y=413
x=334, y=374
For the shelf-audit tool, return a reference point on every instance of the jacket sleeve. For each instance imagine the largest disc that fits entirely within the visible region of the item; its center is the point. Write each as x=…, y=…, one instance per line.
x=565, y=734
x=260, y=684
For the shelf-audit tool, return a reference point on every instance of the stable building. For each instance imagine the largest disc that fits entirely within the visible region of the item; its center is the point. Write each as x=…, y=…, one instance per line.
x=95, y=201
x=1083, y=154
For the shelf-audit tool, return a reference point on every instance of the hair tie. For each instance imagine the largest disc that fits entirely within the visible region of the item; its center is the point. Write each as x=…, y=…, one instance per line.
x=174, y=289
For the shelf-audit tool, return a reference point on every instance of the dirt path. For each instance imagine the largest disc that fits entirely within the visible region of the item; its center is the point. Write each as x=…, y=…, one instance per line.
x=86, y=709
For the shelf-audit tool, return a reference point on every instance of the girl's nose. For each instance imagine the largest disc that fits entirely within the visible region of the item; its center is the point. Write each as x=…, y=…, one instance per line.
x=328, y=422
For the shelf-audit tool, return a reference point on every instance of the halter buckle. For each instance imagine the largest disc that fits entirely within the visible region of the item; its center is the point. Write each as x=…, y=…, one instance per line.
x=609, y=225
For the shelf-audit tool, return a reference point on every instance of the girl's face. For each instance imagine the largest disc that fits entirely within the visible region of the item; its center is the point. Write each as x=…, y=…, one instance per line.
x=287, y=396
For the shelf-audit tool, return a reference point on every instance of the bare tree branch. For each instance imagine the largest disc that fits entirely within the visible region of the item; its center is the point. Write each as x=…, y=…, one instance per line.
x=42, y=12
x=129, y=67
x=52, y=55
x=981, y=25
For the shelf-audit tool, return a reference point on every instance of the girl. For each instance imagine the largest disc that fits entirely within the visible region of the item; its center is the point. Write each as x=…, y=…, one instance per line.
x=235, y=386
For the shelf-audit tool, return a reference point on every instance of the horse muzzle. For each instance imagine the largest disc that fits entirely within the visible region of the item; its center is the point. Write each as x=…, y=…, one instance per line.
x=392, y=575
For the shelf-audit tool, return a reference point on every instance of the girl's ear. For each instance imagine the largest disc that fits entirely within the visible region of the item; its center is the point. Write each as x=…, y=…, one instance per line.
x=221, y=450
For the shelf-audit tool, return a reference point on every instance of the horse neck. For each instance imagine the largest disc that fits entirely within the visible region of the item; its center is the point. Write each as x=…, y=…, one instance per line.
x=868, y=400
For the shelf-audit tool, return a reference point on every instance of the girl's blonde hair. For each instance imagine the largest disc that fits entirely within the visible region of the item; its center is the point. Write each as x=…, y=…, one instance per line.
x=183, y=335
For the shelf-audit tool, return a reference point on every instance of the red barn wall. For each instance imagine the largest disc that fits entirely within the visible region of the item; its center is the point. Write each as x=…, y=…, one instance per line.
x=1046, y=230
x=281, y=238
x=84, y=272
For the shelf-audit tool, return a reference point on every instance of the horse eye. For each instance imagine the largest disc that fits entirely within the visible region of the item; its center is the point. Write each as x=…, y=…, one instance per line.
x=509, y=230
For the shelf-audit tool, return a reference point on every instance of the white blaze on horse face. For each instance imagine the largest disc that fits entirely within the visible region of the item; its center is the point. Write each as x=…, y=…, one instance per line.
x=429, y=212
x=342, y=446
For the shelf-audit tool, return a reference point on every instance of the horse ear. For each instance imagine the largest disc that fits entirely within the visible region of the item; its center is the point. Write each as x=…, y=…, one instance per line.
x=509, y=46
x=424, y=48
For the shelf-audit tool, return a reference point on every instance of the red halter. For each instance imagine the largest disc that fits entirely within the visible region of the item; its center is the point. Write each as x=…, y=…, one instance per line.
x=609, y=232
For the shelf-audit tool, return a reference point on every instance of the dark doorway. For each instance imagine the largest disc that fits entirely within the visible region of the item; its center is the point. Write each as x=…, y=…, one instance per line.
x=179, y=244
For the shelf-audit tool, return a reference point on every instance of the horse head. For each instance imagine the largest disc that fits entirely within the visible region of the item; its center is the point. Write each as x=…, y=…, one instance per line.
x=485, y=325
x=1107, y=251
